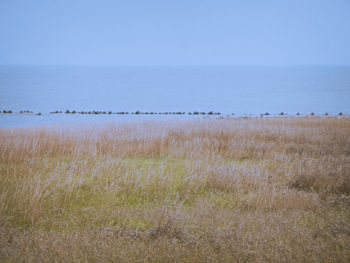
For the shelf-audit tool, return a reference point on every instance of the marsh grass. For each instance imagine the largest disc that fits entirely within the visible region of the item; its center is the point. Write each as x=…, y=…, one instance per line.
x=225, y=190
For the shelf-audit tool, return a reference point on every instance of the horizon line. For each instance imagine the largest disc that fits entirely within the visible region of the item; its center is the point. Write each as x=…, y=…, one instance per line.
x=177, y=65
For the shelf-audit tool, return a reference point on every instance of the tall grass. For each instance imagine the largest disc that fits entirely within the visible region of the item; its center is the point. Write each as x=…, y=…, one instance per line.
x=225, y=190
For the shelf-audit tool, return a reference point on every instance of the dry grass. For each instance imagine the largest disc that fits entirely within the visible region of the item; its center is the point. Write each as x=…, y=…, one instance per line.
x=225, y=190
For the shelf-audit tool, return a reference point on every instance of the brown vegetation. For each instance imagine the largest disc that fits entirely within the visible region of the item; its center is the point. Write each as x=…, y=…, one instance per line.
x=224, y=190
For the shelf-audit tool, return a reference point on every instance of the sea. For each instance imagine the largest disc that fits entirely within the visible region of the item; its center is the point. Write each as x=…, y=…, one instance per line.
x=232, y=91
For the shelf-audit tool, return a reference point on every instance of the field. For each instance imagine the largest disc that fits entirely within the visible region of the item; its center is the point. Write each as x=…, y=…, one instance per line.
x=216, y=190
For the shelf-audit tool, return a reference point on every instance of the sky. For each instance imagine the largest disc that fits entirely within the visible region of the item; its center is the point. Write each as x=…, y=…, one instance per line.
x=172, y=33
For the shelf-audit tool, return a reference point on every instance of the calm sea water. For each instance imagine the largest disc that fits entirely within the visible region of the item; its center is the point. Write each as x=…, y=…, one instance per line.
x=239, y=90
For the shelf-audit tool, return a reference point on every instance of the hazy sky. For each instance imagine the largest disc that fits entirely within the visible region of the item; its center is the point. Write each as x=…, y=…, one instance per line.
x=175, y=32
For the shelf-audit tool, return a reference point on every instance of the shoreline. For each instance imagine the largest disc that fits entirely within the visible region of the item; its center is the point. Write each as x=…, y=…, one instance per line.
x=24, y=120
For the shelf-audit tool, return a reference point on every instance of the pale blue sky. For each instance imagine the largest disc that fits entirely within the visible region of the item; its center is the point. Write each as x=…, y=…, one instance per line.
x=181, y=32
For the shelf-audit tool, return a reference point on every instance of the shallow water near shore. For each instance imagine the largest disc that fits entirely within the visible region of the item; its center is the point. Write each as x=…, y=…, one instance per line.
x=30, y=120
